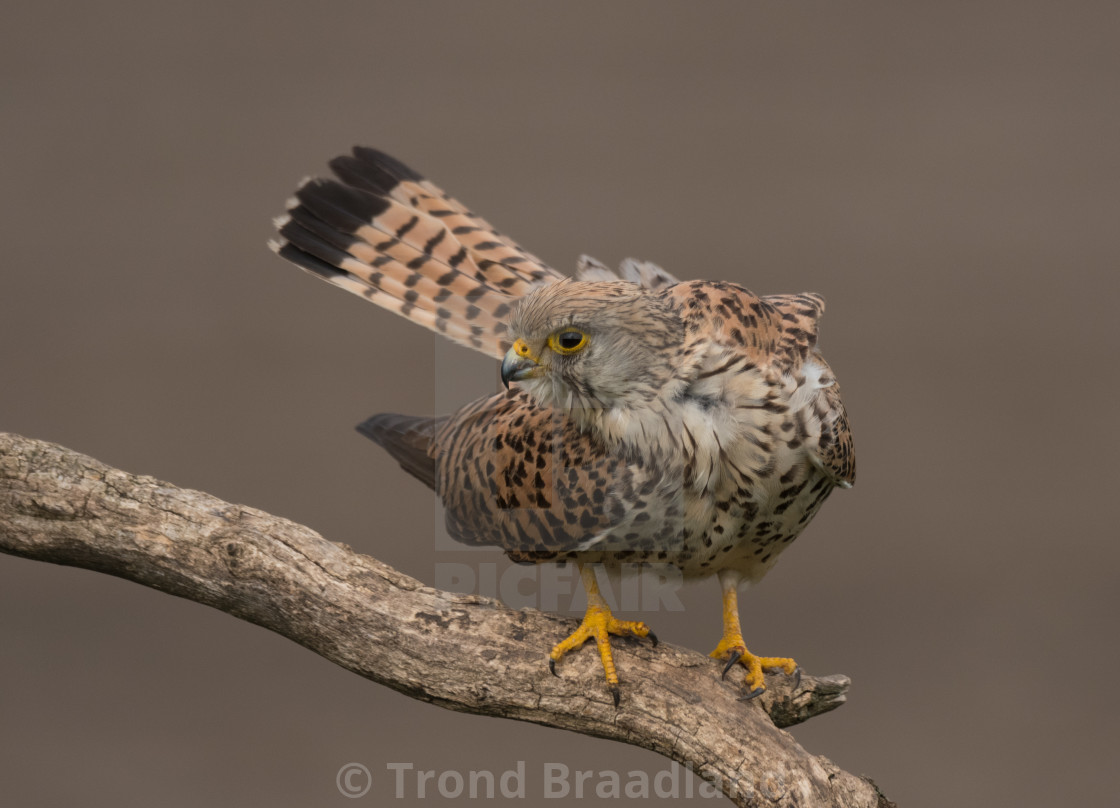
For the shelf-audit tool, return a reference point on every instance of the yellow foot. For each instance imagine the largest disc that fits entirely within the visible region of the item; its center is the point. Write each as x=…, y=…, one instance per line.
x=733, y=649
x=599, y=624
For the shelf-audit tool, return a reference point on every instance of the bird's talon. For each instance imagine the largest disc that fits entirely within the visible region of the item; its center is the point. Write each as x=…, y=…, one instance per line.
x=552, y=667
x=754, y=694
x=797, y=677
x=736, y=655
x=598, y=624
x=653, y=638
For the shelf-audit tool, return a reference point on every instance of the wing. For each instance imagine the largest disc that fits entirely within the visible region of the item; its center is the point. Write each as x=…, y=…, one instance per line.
x=834, y=452
x=384, y=232
x=408, y=439
x=530, y=481
x=761, y=353
x=644, y=273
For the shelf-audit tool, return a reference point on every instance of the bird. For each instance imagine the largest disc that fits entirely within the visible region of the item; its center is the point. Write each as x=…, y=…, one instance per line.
x=645, y=420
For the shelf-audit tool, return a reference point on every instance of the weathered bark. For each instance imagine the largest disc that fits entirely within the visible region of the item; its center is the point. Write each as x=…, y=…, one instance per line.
x=463, y=652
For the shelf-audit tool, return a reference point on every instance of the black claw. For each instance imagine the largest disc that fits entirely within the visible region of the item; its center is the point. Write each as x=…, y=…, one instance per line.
x=735, y=657
x=797, y=677
x=653, y=637
x=617, y=695
x=552, y=667
x=754, y=694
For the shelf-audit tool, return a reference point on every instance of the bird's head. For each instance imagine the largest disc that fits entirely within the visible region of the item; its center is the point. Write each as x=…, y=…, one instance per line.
x=585, y=345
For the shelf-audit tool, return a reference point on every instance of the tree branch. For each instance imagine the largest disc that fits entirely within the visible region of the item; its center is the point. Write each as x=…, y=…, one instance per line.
x=462, y=652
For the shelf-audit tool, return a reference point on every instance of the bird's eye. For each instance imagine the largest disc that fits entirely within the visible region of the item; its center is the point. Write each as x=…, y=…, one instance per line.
x=568, y=341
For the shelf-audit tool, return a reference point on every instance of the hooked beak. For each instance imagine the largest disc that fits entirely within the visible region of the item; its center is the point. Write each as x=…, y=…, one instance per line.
x=518, y=364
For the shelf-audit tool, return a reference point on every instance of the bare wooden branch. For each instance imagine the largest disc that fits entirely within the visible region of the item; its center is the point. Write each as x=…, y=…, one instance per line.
x=462, y=652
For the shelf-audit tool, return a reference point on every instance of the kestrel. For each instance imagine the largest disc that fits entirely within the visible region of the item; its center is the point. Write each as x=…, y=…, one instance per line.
x=650, y=421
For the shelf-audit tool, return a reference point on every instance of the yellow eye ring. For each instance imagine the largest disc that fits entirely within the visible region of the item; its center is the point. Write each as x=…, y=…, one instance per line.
x=568, y=341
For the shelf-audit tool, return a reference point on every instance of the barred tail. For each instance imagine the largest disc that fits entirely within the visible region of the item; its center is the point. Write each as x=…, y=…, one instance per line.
x=384, y=232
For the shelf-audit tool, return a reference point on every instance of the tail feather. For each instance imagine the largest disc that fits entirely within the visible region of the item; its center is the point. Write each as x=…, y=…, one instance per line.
x=387, y=234
x=381, y=174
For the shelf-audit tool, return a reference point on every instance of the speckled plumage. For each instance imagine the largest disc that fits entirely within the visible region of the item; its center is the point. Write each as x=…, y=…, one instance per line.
x=700, y=426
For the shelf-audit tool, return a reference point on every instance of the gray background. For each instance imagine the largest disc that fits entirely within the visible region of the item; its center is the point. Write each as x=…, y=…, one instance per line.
x=945, y=175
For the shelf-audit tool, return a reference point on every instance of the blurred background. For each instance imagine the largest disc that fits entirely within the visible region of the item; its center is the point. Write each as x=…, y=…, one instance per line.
x=946, y=175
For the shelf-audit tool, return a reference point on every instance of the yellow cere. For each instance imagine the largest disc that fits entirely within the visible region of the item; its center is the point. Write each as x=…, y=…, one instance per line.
x=521, y=348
